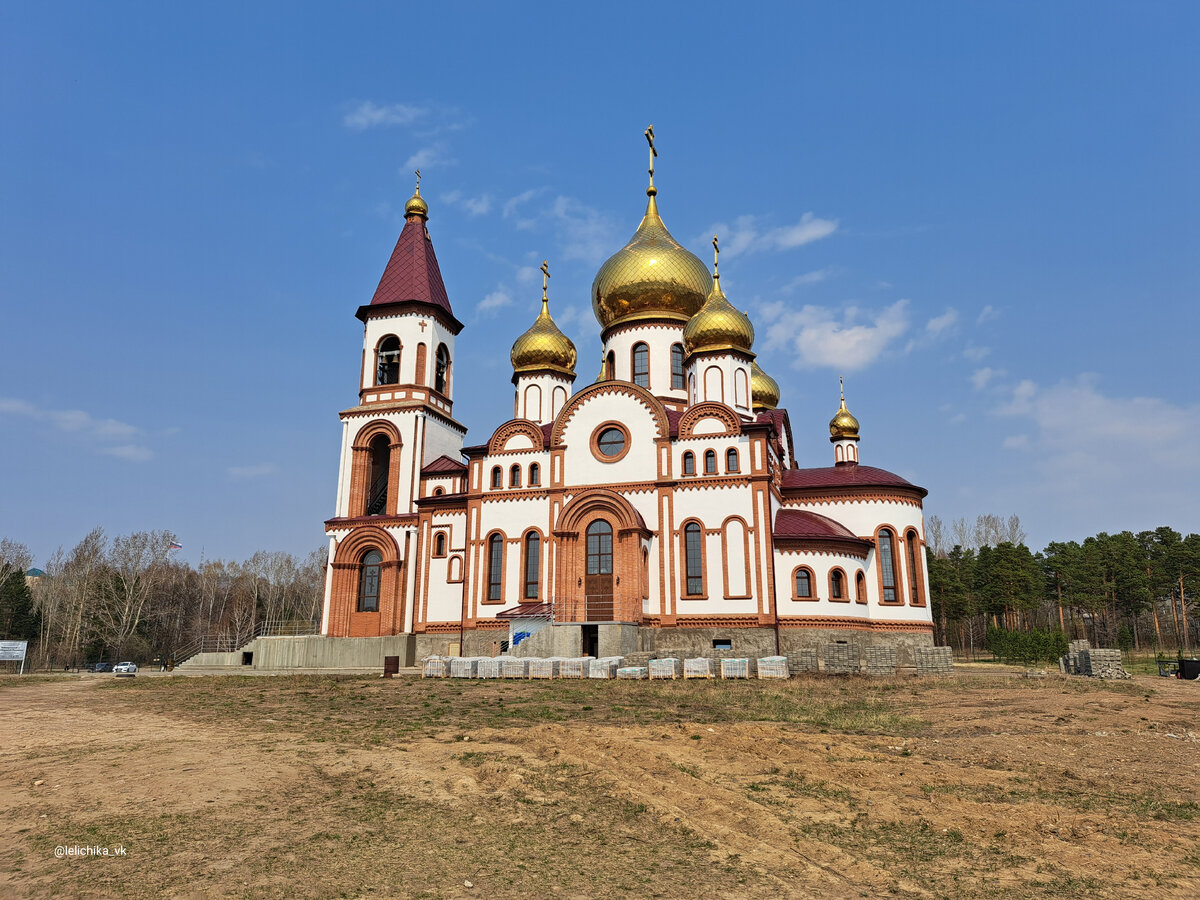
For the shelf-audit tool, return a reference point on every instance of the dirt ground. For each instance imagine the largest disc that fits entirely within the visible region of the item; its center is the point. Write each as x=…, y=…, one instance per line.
x=314, y=786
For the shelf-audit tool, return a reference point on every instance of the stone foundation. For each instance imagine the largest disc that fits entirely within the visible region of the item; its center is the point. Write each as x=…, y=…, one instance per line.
x=759, y=642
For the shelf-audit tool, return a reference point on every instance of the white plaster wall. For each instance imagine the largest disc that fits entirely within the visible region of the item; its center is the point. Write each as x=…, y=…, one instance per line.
x=712, y=505
x=544, y=412
x=441, y=440
x=720, y=444
x=727, y=364
x=658, y=337
x=639, y=464
x=521, y=458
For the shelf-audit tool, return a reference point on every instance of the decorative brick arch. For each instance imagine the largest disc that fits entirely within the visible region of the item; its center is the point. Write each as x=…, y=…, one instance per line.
x=517, y=426
x=709, y=410
x=344, y=619
x=628, y=388
x=360, y=466
x=629, y=531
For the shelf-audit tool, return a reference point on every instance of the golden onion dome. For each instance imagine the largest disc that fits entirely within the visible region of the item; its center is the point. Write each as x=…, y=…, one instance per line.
x=764, y=390
x=718, y=325
x=416, y=205
x=651, y=277
x=543, y=347
x=843, y=426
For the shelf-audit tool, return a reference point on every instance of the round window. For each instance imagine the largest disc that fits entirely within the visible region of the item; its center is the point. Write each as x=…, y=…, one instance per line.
x=611, y=442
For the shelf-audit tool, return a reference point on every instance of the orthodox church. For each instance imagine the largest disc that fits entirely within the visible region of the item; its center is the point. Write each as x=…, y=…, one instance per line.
x=658, y=507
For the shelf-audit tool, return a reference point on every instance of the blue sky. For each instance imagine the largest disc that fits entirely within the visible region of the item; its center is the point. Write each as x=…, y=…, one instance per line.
x=983, y=215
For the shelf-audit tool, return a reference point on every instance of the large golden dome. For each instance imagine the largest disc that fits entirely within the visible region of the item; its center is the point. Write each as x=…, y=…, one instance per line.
x=718, y=325
x=764, y=390
x=653, y=276
x=543, y=347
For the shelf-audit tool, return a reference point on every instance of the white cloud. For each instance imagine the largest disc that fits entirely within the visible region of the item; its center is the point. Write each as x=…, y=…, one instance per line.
x=975, y=353
x=820, y=336
x=586, y=234
x=129, y=452
x=527, y=274
x=987, y=314
x=257, y=471
x=981, y=378
x=938, y=324
x=474, y=206
x=430, y=157
x=813, y=277
x=744, y=235
x=371, y=115
x=512, y=204
x=495, y=300
x=84, y=425
x=1017, y=442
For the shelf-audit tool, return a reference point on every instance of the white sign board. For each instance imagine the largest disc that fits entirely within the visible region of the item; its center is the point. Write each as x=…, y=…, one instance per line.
x=13, y=651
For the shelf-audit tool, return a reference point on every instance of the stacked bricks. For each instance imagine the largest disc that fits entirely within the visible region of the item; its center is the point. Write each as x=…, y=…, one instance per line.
x=574, y=668
x=664, y=668
x=801, y=661
x=933, y=660
x=512, y=667
x=881, y=660
x=543, y=668
x=464, y=667
x=488, y=668
x=773, y=667
x=605, y=667
x=697, y=667
x=434, y=667
x=841, y=659
x=735, y=668
x=637, y=673
x=1102, y=664
x=1072, y=664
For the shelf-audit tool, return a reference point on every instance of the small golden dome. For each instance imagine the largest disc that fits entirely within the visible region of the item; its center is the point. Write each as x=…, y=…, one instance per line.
x=603, y=375
x=652, y=276
x=543, y=347
x=416, y=205
x=718, y=325
x=843, y=426
x=764, y=390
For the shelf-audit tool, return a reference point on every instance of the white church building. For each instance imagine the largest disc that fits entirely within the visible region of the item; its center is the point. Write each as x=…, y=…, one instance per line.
x=658, y=507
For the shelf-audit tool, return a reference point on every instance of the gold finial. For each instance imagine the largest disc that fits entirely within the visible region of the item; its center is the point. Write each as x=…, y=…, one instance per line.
x=842, y=390
x=649, y=132
x=716, y=258
x=545, y=279
x=417, y=192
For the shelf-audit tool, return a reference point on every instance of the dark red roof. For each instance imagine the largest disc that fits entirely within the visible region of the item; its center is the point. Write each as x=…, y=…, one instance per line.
x=443, y=464
x=526, y=611
x=547, y=430
x=412, y=273
x=800, y=523
x=673, y=417
x=850, y=475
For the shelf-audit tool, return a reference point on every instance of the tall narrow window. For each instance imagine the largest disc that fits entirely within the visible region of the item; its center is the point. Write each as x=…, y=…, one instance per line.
x=677, y=382
x=441, y=374
x=497, y=477
x=535, y=475
x=731, y=460
x=860, y=588
x=641, y=365
x=689, y=463
x=610, y=366
x=368, y=581
x=710, y=462
x=514, y=477
x=887, y=564
x=380, y=465
x=439, y=544
x=912, y=544
x=388, y=370
x=533, y=546
x=803, y=583
x=495, y=567
x=599, y=548
x=693, y=559
x=837, y=585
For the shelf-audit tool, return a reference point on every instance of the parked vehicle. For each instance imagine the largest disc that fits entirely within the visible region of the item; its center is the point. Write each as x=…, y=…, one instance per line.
x=125, y=668
x=100, y=667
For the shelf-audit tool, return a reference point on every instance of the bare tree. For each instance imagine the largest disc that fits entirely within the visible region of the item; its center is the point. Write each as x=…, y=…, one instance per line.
x=137, y=562
x=14, y=555
x=935, y=535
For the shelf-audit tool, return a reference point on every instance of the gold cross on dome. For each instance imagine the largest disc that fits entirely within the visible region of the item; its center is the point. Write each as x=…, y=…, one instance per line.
x=716, y=256
x=649, y=132
x=545, y=276
x=417, y=172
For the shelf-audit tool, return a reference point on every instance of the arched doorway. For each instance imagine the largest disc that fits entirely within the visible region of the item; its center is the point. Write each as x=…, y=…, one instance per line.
x=598, y=580
x=599, y=540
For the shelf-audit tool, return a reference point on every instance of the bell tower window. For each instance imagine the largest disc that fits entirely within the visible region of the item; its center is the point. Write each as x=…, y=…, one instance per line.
x=388, y=369
x=441, y=374
x=380, y=449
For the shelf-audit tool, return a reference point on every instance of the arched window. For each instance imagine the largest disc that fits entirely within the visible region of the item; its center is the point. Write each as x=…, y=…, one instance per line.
x=420, y=375
x=535, y=475
x=837, y=585
x=731, y=460
x=495, y=571
x=677, y=383
x=887, y=565
x=441, y=375
x=693, y=554
x=514, y=477
x=381, y=453
x=641, y=365
x=439, y=544
x=860, y=587
x=689, y=463
x=497, y=477
x=599, y=548
x=802, y=583
x=388, y=358
x=368, y=581
x=532, y=567
x=610, y=366
x=912, y=544
x=710, y=462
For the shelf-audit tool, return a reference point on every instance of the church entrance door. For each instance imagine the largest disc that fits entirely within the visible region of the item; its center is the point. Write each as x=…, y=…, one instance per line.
x=598, y=582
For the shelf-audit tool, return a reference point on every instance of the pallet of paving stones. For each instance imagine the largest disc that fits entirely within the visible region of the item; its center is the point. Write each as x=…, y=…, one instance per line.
x=734, y=668
x=802, y=661
x=933, y=660
x=545, y=668
x=434, y=667
x=513, y=667
x=605, y=667
x=574, y=668
x=489, y=667
x=773, y=667
x=666, y=667
x=464, y=667
x=881, y=661
x=1102, y=664
x=635, y=673
x=841, y=659
x=698, y=667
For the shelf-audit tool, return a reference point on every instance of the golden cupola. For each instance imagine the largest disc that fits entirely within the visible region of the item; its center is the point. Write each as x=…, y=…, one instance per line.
x=543, y=347
x=718, y=325
x=416, y=205
x=651, y=277
x=843, y=426
x=764, y=390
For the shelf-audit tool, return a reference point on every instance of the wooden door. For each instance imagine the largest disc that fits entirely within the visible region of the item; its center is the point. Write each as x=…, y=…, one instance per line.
x=598, y=580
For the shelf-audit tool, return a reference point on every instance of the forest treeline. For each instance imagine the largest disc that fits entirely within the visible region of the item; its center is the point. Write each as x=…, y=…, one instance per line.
x=1127, y=590
x=127, y=597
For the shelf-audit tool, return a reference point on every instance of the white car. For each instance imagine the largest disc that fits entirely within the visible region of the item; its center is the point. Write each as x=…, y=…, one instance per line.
x=125, y=668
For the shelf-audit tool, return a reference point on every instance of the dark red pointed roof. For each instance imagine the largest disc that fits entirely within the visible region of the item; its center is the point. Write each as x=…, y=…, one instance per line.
x=849, y=475
x=412, y=274
x=444, y=464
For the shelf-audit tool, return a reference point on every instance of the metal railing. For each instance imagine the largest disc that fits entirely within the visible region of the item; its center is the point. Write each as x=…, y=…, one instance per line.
x=229, y=643
x=596, y=608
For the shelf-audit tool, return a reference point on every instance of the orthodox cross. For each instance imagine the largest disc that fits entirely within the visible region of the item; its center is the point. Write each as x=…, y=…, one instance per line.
x=716, y=257
x=545, y=276
x=417, y=172
x=649, y=132
x=842, y=390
